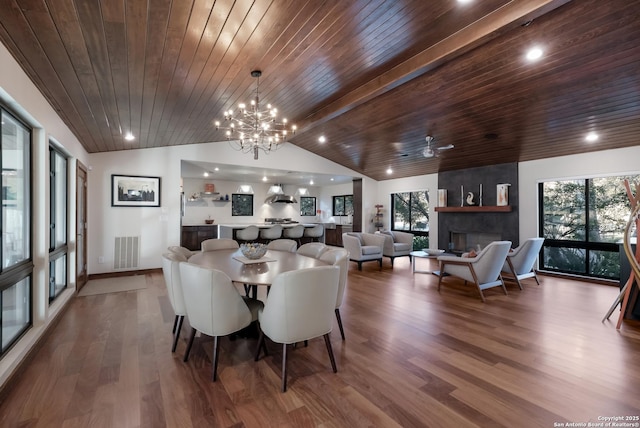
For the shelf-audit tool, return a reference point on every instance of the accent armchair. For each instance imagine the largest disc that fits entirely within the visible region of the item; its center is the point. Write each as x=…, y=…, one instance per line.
x=363, y=247
x=483, y=269
x=520, y=261
x=396, y=244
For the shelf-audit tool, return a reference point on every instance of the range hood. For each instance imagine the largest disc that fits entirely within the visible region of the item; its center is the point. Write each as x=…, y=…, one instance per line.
x=276, y=195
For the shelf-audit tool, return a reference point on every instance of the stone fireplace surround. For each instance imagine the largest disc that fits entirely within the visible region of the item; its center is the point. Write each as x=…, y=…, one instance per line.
x=461, y=231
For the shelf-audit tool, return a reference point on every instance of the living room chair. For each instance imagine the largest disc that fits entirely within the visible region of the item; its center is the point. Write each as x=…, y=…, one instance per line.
x=300, y=307
x=214, y=306
x=219, y=244
x=363, y=247
x=339, y=257
x=483, y=269
x=521, y=260
x=396, y=244
x=171, y=271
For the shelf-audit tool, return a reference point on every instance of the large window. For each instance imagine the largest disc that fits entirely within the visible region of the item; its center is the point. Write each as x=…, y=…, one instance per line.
x=583, y=223
x=58, y=223
x=343, y=205
x=15, y=246
x=410, y=212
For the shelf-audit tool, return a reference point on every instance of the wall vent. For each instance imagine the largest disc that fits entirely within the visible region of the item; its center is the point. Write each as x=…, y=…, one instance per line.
x=126, y=252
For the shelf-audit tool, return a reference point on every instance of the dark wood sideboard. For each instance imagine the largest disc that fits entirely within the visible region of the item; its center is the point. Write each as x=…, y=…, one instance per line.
x=192, y=236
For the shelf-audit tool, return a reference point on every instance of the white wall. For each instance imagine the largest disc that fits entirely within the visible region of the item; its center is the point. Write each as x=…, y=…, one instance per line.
x=160, y=227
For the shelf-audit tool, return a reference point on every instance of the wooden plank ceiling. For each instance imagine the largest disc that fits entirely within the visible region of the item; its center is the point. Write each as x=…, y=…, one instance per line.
x=375, y=77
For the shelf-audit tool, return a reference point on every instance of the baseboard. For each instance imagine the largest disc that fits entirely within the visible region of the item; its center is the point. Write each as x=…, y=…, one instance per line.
x=124, y=273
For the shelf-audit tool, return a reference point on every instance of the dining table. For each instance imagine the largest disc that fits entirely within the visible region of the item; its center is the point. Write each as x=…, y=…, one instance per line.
x=254, y=272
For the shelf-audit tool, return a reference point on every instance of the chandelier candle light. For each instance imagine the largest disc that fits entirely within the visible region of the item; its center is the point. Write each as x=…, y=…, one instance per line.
x=251, y=129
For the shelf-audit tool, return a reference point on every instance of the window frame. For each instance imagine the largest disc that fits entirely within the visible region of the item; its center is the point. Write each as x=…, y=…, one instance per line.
x=57, y=251
x=11, y=276
x=310, y=212
x=344, y=199
x=411, y=230
x=586, y=245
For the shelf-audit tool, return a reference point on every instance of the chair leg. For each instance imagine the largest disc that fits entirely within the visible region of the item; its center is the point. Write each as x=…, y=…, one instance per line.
x=186, y=353
x=216, y=348
x=441, y=275
x=261, y=345
x=327, y=342
x=536, y=277
x=339, y=322
x=359, y=265
x=176, y=333
x=175, y=323
x=380, y=263
x=391, y=258
x=284, y=367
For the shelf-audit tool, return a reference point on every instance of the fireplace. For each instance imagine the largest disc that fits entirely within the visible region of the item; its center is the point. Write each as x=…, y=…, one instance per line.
x=460, y=242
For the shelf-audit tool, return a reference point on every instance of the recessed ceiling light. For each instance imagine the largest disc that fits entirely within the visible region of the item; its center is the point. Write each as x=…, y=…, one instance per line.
x=331, y=178
x=264, y=178
x=464, y=1
x=310, y=182
x=591, y=137
x=534, y=53
x=216, y=169
x=206, y=173
x=129, y=136
x=322, y=139
x=389, y=170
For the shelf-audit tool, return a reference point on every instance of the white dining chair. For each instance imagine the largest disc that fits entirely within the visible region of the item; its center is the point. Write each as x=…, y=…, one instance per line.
x=283, y=245
x=300, y=307
x=219, y=244
x=339, y=257
x=312, y=249
x=214, y=306
x=181, y=250
x=171, y=271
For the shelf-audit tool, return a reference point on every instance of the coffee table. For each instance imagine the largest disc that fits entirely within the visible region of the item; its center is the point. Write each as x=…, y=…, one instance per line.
x=421, y=255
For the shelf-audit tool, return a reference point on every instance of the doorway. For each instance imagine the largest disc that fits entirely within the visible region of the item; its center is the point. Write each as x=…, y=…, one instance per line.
x=81, y=226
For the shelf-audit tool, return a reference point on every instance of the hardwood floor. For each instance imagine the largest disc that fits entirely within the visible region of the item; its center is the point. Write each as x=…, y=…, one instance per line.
x=413, y=357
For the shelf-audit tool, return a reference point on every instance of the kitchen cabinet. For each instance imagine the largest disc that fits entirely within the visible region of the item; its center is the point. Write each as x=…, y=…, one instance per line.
x=192, y=236
x=333, y=235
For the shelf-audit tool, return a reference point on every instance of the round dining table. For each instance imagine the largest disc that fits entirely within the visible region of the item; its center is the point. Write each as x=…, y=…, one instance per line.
x=255, y=272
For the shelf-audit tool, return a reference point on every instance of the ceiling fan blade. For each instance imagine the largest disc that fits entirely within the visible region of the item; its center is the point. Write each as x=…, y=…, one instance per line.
x=447, y=147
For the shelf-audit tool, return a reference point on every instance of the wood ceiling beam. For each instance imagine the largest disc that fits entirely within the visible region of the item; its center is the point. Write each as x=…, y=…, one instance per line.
x=514, y=13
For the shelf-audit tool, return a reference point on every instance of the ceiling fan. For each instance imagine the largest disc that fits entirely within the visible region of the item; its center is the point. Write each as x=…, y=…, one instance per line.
x=431, y=150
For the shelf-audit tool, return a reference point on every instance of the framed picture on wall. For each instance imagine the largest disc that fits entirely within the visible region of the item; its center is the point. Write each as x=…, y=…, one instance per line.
x=135, y=191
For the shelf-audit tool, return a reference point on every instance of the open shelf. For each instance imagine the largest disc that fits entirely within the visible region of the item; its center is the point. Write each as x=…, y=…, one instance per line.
x=475, y=209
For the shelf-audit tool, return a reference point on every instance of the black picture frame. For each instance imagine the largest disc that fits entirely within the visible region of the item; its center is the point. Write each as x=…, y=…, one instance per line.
x=135, y=191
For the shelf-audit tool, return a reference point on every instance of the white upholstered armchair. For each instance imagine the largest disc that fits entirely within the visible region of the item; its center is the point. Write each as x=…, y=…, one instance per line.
x=396, y=244
x=363, y=247
x=483, y=270
x=520, y=261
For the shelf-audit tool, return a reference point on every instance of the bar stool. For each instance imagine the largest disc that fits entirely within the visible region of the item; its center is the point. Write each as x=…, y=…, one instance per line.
x=249, y=233
x=294, y=233
x=314, y=233
x=270, y=233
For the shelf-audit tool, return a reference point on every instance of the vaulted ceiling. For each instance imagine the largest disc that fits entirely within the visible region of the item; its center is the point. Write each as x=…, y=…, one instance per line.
x=374, y=77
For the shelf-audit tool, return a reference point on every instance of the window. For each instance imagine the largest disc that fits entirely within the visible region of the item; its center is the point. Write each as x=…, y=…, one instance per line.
x=15, y=241
x=58, y=223
x=343, y=205
x=410, y=213
x=307, y=205
x=583, y=223
x=241, y=204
